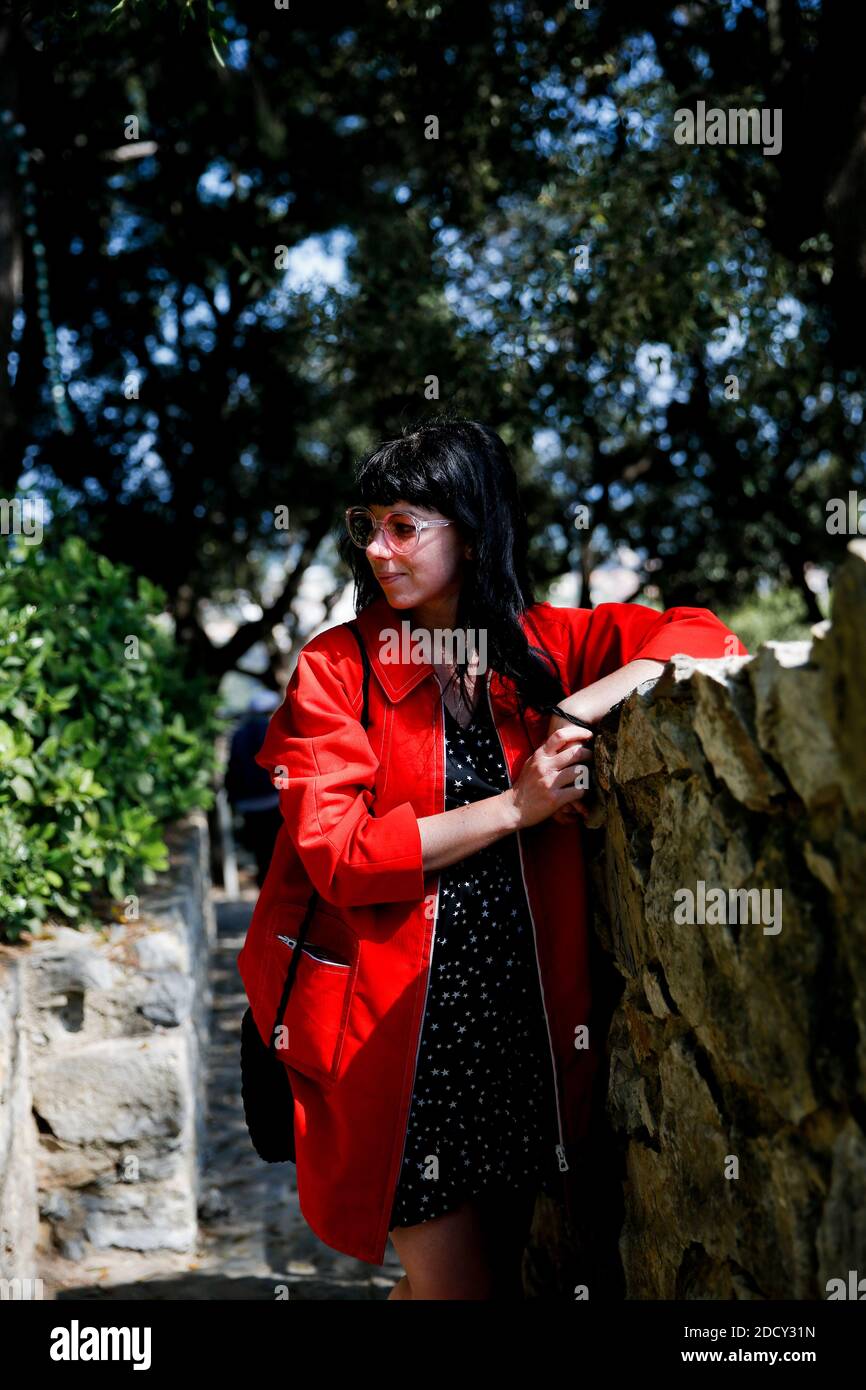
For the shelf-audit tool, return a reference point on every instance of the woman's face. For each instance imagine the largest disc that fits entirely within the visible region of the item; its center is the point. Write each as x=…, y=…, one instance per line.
x=430, y=573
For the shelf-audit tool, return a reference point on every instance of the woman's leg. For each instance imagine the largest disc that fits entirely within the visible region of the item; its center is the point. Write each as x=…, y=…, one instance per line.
x=445, y=1257
x=402, y=1289
x=474, y=1252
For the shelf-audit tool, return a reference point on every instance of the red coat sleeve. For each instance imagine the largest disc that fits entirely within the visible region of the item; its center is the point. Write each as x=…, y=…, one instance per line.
x=605, y=638
x=324, y=768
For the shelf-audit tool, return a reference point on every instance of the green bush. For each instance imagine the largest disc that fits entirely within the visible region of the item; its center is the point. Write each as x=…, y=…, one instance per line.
x=95, y=754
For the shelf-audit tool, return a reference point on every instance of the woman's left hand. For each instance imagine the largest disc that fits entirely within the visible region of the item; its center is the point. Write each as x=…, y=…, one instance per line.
x=576, y=810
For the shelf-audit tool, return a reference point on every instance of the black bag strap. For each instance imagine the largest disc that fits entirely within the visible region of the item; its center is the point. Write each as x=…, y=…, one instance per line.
x=308, y=915
x=365, y=661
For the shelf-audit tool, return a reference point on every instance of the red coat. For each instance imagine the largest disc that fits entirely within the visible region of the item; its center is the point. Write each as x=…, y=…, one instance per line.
x=350, y=802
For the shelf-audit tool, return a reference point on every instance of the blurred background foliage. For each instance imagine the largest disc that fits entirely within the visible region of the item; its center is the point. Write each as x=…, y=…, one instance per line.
x=231, y=260
x=207, y=386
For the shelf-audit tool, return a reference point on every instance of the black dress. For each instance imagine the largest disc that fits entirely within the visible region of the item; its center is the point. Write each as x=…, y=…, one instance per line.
x=483, y=1109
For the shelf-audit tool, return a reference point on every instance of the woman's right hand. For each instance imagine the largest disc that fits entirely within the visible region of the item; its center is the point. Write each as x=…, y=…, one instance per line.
x=546, y=780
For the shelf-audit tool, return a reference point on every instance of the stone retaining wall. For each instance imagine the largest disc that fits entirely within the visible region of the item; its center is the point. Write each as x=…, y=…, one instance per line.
x=102, y=1086
x=736, y=1095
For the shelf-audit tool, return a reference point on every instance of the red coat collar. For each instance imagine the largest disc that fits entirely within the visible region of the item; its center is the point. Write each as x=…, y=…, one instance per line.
x=399, y=677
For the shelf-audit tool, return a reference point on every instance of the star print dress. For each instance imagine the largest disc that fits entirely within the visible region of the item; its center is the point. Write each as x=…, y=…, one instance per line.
x=483, y=1109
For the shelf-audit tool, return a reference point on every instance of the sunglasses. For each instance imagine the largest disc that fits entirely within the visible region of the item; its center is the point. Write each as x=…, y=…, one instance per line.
x=401, y=529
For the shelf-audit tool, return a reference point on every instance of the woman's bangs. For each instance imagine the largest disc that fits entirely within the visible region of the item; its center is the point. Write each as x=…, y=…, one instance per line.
x=393, y=473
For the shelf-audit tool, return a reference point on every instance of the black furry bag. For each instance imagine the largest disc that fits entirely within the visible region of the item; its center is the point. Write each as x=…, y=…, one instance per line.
x=266, y=1088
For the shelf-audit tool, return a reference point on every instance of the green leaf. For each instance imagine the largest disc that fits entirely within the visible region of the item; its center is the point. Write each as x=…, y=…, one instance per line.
x=22, y=789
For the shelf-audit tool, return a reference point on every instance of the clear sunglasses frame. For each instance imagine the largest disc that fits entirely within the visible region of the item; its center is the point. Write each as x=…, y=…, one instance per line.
x=400, y=549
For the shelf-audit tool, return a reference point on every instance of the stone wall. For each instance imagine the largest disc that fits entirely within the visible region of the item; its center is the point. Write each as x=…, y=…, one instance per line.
x=102, y=1085
x=734, y=1120
x=18, y=1139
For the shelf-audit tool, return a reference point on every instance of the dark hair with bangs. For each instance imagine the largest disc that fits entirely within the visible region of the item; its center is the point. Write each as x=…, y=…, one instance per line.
x=463, y=469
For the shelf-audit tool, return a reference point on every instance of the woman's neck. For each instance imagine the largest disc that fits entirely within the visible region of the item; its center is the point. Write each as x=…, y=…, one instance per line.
x=436, y=613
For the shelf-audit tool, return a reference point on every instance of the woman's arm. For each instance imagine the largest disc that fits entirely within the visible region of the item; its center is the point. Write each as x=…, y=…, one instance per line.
x=454, y=835
x=595, y=700
x=593, y=703
x=545, y=785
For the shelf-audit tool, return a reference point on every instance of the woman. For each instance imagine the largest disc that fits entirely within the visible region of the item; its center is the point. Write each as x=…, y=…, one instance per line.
x=437, y=1032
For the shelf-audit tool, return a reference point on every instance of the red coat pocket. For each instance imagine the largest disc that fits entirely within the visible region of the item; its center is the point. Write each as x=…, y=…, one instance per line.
x=311, y=1028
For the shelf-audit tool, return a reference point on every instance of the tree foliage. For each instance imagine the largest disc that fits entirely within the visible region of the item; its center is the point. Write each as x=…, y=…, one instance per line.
x=183, y=151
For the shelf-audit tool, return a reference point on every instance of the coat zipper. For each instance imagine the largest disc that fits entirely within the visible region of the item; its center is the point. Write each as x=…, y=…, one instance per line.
x=560, y=1147
x=427, y=987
